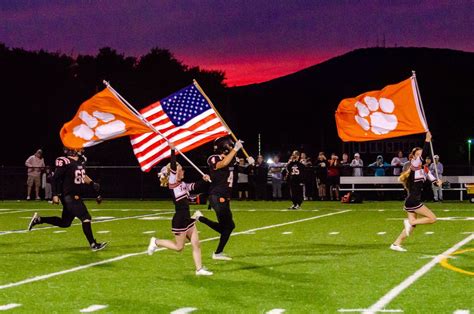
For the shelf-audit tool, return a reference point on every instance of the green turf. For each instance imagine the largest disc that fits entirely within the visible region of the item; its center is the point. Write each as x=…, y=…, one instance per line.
x=308, y=270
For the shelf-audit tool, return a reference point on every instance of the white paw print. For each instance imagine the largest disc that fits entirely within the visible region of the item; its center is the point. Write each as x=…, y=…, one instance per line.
x=376, y=115
x=98, y=127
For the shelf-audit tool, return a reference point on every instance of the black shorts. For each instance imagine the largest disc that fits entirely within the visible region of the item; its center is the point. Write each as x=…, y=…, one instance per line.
x=182, y=222
x=241, y=187
x=75, y=207
x=332, y=180
x=412, y=204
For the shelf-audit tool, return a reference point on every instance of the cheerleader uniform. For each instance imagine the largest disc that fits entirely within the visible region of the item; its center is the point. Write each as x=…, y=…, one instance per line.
x=182, y=220
x=418, y=176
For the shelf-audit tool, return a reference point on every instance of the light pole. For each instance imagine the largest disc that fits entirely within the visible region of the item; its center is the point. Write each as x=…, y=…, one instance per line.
x=469, y=142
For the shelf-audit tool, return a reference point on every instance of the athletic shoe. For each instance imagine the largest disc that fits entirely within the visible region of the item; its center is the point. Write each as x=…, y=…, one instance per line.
x=204, y=272
x=297, y=207
x=98, y=246
x=292, y=207
x=28, y=198
x=408, y=227
x=221, y=256
x=38, y=198
x=152, y=247
x=397, y=248
x=196, y=215
x=34, y=221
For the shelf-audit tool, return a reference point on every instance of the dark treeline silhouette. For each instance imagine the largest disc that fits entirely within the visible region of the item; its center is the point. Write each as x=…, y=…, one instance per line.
x=42, y=90
x=297, y=110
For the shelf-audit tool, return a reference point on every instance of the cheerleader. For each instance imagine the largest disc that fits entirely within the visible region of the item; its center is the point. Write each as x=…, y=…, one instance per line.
x=413, y=180
x=183, y=225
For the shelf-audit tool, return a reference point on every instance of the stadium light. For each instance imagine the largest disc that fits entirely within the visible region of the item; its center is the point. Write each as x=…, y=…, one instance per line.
x=269, y=161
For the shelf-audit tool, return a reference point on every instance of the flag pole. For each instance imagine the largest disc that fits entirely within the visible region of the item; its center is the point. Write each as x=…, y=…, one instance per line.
x=426, y=121
x=144, y=120
x=220, y=117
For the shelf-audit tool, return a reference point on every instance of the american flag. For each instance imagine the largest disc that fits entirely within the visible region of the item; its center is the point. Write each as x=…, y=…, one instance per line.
x=186, y=118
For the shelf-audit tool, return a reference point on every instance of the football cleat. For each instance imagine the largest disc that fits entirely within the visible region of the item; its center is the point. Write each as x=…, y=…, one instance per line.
x=203, y=272
x=221, y=257
x=98, y=246
x=152, y=247
x=398, y=248
x=36, y=219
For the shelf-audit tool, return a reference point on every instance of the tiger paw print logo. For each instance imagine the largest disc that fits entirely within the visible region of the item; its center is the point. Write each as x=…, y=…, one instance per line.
x=376, y=115
x=98, y=127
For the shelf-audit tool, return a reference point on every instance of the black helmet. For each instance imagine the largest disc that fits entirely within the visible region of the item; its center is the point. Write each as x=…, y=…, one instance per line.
x=223, y=145
x=70, y=151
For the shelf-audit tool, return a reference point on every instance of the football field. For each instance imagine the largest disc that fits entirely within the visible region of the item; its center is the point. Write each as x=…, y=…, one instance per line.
x=327, y=257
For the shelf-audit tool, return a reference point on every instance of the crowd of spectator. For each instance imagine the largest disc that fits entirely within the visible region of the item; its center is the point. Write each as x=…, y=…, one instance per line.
x=321, y=175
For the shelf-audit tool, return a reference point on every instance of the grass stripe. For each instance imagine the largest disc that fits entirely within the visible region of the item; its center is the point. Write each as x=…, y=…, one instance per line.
x=121, y=257
x=392, y=294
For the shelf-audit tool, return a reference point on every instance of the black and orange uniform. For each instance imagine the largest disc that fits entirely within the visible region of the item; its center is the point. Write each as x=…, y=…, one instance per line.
x=182, y=220
x=220, y=192
x=416, y=180
x=295, y=170
x=68, y=184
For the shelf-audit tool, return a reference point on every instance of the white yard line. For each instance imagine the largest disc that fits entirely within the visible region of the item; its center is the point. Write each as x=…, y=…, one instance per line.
x=184, y=310
x=362, y=310
x=10, y=306
x=121, y=257
x=276, y=311
x=93, y=308
x=392, y=294
x=78, y=224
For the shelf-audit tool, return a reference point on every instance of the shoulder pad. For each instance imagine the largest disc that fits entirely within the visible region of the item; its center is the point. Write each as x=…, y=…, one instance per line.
x=62, y=161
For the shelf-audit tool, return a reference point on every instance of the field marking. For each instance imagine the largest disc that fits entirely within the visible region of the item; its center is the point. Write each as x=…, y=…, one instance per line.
x=93, y=308
x=429, y=232
x=103, y=231
x=381, y=232
x=392, y=294
x=276, y=311
x=149, y=232
x=121, y=257
x=19, y=211
x=444, y=262
x=287, y=232
x=184, y=310
x=59, y=231
x=462, y=312
x=334, y=233
x=78, y=224
x=9, y=306
x=363, y=310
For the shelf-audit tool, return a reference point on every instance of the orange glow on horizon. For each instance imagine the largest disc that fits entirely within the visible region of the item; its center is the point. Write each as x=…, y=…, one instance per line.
x=245, y=72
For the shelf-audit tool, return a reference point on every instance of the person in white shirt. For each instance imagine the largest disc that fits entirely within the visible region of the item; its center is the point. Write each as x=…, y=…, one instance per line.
x=275, y=170
x=437, y=190
x=35, y=164
x=397, y=163
x=357, y=164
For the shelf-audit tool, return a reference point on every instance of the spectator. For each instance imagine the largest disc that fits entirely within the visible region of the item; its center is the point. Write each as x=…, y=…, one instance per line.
x=260, y=172
x=398, y=162
x=321, y=175
x=275, y=170
x=346, y=170
x=379, y=166
x=427, y=194
x=242, y=179
x=357, y=166
x=334, y=173
x=35, y=164
x=437, y=189
x=307, y=177
x=379, y=171
x=46, y=180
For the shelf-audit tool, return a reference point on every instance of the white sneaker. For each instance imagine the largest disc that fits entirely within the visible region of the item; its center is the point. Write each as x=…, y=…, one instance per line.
x=397, y=248
x=408, y=227
x=152, y=247
x=196, y=215
x=204, y=272
x=221, y=256
x=28, y=198
x=292, y=207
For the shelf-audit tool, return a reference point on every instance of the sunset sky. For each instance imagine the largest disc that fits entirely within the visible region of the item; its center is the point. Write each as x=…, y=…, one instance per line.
x=252, y=41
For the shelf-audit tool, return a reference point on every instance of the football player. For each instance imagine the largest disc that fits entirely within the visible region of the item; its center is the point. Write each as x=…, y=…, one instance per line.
x=69, y=181
x=295, y=170
x=220, y=191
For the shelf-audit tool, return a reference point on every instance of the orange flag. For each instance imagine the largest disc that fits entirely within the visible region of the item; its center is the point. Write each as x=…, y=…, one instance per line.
x=391, y=112
x=100, y=118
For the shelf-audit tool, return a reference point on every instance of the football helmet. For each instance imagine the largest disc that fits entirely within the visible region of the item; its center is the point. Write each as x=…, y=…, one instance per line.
x=223, y=145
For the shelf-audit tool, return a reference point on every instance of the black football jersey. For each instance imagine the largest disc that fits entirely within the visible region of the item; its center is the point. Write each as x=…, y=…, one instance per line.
x=295, y=171
x=222, y=179
x=68, y=178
